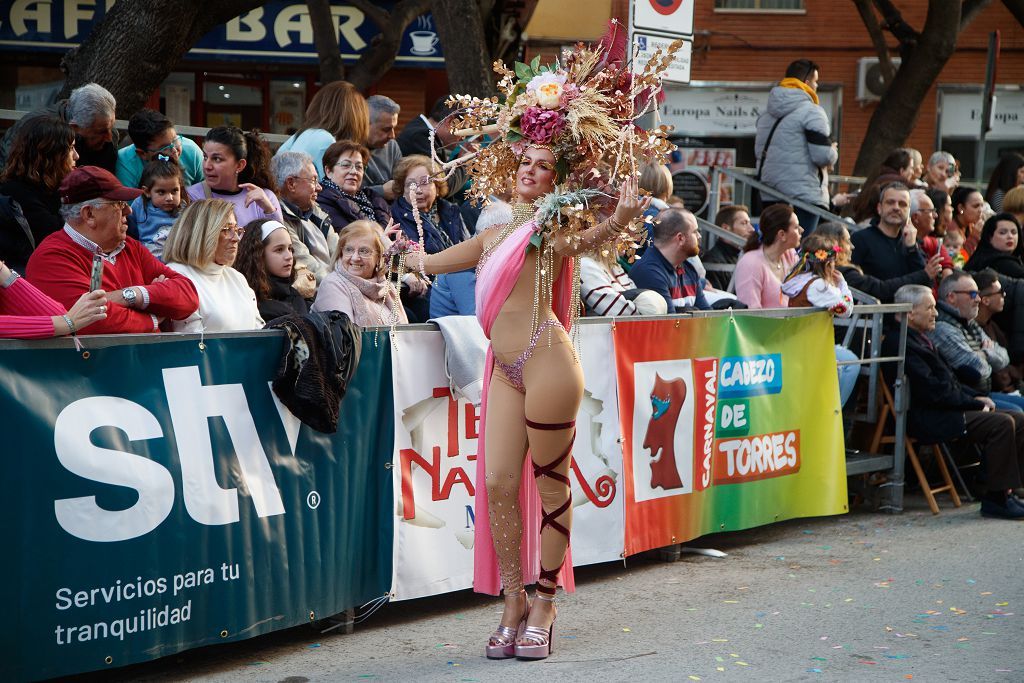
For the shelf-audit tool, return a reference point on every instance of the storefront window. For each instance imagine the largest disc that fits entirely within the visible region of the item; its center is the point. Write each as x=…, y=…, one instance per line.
x=232, y=102
x=287, y=105
x=959, y=128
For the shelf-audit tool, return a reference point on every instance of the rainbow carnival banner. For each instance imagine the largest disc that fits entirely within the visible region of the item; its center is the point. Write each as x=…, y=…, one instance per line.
x=727, y=423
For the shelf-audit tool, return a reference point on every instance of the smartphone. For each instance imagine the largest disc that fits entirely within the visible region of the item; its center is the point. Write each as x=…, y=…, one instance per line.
x=97, y=273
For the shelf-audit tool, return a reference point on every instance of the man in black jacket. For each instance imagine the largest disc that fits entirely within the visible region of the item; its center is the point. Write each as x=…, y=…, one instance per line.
x=941, y=409
x=887, y=248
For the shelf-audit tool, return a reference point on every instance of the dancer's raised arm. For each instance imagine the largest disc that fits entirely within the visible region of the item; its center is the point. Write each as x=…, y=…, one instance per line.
x=629, y=207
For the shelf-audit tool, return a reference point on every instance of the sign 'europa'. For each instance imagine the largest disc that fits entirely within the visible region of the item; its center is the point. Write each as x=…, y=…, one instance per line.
x=190, y=405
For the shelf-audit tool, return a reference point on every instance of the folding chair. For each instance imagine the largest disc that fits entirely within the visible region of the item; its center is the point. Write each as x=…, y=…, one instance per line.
x=939, y=451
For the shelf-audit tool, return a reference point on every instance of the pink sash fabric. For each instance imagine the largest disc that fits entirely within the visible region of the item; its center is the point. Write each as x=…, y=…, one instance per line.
x=494, y=283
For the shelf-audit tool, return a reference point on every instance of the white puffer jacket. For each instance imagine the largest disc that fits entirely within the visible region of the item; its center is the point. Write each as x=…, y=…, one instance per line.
x=800, y=151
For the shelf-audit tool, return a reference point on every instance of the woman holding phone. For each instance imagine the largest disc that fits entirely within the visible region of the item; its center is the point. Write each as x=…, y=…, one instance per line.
x=27, y=313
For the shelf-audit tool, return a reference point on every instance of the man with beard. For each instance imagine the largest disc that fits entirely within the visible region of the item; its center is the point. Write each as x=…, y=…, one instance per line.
x=665, y=269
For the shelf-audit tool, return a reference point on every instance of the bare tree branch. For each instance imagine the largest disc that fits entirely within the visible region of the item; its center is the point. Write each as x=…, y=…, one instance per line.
x=131, y=51
x=376, y=14
x=867, y=15
x=325, y=37
x=1016, y=8
x=894, y=23
x=380, y=55
x=970, y=10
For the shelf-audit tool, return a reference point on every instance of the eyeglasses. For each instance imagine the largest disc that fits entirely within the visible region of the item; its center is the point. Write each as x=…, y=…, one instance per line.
x=173, y=144
x=232, y=230
x=315, y=181
x=119, y=205
x=931, y=211
x=346, y=165
x=973, y=293
x=414, y=184
x=364, y=252
x=998, y=292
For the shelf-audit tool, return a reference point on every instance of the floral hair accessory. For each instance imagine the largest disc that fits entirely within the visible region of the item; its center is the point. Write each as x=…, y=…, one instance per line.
x=824, y=255
x=582, y=107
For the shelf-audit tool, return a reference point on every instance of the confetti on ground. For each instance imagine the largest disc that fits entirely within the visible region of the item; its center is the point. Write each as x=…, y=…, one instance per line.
x=731, y=602
x=719, y=640
x=814, y=671
x=719, y=668
x=741, y=663
x=626, y=630
x=694, y=678
x=313, y=645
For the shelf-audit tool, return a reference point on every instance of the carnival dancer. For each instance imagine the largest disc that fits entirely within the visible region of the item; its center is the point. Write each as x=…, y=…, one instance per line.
x=562, y=132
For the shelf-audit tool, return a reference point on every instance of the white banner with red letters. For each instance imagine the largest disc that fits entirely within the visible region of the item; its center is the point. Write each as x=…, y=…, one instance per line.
x=435, y=466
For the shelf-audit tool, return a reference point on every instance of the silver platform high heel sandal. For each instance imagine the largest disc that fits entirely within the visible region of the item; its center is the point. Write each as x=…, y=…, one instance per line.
x=502, y=643
x=540, y=639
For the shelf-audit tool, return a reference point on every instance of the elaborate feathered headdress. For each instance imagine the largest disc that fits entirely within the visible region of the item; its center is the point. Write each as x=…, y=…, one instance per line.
x=582, y=108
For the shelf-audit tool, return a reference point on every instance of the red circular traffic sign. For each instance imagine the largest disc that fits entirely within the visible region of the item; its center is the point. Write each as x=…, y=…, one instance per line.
x=665, y=7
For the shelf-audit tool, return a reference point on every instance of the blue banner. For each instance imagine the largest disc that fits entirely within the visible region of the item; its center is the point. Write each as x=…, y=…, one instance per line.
x=160, y=498
x=278, y=31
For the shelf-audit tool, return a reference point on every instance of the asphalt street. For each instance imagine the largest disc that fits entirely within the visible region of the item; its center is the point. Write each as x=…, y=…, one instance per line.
x=859, y=597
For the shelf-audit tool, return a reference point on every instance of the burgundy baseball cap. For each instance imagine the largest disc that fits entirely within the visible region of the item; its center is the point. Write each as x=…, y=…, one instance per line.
x=92, y=182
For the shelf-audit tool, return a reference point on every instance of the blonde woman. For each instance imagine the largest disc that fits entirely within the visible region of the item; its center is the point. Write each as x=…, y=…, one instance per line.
x=202, y=246
x=357, y=286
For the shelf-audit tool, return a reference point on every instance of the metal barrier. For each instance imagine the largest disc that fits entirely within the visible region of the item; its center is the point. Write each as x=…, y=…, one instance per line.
x=715, y=233
x=745, y=181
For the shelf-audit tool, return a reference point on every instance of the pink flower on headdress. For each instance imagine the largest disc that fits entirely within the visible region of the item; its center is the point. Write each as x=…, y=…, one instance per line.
x=541, y=125
x=548, y=89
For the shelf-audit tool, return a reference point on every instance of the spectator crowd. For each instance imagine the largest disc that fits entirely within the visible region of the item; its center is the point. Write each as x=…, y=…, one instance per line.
x=167, y=234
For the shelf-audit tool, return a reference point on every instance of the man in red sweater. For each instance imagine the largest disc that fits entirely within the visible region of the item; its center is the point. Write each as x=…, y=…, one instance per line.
x=141, y=291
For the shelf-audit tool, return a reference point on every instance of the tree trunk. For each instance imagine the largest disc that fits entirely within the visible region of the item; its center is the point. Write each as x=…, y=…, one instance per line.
x=379, y=56
x=137, y=44
x=461, y=29
x=325, y=36
x=504, y=23
x=897, y=110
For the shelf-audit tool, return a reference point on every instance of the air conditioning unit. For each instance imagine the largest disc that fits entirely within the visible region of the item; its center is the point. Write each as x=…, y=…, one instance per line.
x=870, y=86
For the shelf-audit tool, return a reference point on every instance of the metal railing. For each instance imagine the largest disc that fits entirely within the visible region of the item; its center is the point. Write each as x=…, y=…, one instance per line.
x=711, y=233
x=744, y=182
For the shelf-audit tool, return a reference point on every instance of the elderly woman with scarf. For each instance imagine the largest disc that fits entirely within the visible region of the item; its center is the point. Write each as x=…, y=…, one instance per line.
x=357, y=286
x=343, y=197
